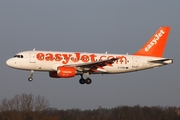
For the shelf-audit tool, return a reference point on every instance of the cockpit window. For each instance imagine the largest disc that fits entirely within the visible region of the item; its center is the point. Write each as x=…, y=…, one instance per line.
x=18, y=56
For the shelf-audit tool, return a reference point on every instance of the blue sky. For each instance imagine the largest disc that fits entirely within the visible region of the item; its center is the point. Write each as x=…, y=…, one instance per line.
x=116, y=26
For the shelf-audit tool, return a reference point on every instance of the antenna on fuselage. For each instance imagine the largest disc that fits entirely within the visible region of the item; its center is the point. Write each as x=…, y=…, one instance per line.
x=106, y=52
x=34, y=49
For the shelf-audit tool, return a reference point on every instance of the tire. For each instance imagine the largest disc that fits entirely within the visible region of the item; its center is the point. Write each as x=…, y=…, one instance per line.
x=82, y=81
x=30, y=79
x=88, y=81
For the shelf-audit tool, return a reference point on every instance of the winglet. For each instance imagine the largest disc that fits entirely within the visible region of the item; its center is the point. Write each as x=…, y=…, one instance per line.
x=156, y=44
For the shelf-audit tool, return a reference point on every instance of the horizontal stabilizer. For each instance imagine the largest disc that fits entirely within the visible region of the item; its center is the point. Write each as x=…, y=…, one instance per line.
x=162, y=61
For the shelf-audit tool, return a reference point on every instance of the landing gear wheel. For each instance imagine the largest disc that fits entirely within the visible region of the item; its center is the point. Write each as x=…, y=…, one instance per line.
x=82, y=81
x=30, y=79
x=88, y=81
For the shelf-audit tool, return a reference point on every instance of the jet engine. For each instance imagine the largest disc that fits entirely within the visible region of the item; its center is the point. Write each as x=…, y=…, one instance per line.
x=63, y=72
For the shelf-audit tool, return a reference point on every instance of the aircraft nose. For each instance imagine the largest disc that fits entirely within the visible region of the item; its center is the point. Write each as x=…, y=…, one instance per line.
x=9, y=62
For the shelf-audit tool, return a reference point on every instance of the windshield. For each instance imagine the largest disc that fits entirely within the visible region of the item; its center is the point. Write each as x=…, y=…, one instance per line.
x=18, y=56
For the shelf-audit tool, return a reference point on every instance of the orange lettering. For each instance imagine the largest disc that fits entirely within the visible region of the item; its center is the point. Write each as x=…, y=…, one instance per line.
x=92, y=57
x=110, y=57
x=120, y=59
x=77, y=57
x=40, y=56
x=58, y=57
x=49, y=57
x=101, y=58
x=85, y=58
x=66, y=58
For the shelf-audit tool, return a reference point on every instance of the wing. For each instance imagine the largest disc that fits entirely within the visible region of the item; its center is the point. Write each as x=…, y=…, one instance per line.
x=94, y=66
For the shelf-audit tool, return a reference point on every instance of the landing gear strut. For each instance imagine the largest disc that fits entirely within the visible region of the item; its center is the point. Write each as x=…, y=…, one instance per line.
x=31, y=74
x=87, y=80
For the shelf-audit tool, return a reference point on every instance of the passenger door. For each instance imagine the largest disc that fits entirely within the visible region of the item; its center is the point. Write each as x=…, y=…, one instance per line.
x=32, y=57
x=134, y=62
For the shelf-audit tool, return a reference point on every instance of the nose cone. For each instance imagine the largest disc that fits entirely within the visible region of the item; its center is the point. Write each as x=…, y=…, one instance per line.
x=9, y=62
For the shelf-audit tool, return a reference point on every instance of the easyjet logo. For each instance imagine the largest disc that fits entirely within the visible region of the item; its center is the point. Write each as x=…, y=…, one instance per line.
x=77, y=57
x=154, y=40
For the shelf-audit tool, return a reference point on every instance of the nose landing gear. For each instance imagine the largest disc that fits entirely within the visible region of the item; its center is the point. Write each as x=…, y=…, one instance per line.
x=30, y=79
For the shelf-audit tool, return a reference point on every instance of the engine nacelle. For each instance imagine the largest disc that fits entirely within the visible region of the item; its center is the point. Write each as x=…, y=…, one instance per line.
x=63, y=72
x=53, y=74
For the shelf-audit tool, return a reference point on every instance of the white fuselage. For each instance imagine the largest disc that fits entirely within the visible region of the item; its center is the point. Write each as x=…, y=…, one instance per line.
x=50, y=60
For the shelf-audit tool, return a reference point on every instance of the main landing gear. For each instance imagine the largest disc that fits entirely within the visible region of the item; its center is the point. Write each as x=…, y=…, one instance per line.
x=87, y=80
x=30, y=79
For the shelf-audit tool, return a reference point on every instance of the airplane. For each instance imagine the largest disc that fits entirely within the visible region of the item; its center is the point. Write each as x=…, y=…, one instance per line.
x=69, y=64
